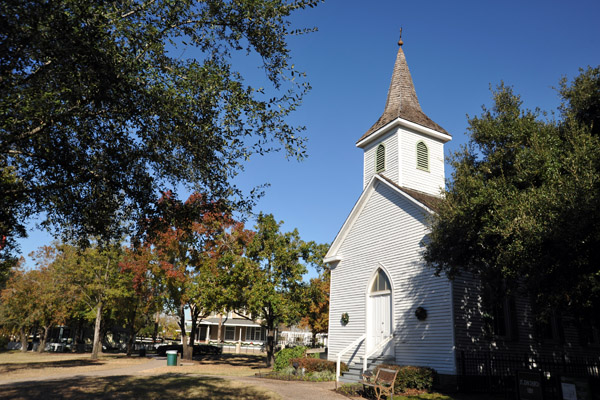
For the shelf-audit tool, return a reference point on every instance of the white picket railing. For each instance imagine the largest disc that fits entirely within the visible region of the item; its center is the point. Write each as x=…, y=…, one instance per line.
x=377, y=348
x=341, y=353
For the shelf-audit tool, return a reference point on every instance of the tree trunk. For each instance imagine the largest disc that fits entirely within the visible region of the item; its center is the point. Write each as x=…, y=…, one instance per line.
x=23, y=335
x=44, y=339
x=96, y=346
x=270, y=344
x=219, y=329
x=79, y=344
x=34, y=335
x=155, y=333
x=195, y=313
x=131, y=330
x=187, y=350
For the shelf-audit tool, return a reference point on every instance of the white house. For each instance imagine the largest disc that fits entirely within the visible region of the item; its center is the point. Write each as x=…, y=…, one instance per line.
x=378, y=278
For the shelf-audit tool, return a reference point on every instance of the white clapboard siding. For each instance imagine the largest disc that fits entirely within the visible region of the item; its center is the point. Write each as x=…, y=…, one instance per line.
x=431, y=181
x=388, y=231
x=391, y=158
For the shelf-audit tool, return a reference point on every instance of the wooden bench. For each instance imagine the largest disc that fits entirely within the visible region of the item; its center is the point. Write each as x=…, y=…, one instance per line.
x=383, y=383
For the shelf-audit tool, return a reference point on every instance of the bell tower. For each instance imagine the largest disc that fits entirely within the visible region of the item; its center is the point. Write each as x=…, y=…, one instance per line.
x=405, y=145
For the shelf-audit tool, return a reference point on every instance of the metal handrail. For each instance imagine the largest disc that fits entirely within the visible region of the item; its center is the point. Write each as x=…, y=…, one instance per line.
x=341, y=353
x=375, y=350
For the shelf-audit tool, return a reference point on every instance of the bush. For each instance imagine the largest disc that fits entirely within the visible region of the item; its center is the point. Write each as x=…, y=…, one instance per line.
x=283, y=357
x=323, y=376
x=3, y=342
x=350, y=389
x=410, y=377
x=317, y=365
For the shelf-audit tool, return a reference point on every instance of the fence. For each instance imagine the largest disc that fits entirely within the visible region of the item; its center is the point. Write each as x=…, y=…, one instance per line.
x=492, y=373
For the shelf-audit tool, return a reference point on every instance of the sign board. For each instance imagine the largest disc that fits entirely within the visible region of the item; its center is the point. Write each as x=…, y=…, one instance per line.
x=569, y=391
x=575, y=388
x=529, y=385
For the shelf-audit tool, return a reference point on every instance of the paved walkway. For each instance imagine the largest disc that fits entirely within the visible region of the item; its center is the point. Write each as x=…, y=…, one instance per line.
x=292, y=390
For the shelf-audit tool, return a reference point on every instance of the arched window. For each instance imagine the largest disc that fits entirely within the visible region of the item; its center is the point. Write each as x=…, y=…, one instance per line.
x=381, y=282
x=422, y=156
x=380, y=159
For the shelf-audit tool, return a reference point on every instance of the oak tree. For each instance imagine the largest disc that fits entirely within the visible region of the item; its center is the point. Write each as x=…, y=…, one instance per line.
x=105, y=104
x=269, y=279
x=522, y=211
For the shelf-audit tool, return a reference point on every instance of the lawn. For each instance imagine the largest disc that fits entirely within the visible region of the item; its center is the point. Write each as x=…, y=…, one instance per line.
x=156, y=383
x=18, y=365
x=167, y=386
x=225, y=364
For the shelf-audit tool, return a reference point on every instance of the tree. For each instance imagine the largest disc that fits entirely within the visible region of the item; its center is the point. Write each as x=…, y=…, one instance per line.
x=269, y=278
x=317, y=309
x=95, y=274
x=106, y=103
x=522, y=211
x=53, y=297
x=16, y=305
x=181, y=253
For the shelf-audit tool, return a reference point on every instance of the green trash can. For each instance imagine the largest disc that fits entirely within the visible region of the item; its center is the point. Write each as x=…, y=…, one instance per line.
x=172, y=358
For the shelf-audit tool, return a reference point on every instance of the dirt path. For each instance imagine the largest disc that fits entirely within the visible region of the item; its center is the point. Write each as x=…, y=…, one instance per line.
x=294, y=390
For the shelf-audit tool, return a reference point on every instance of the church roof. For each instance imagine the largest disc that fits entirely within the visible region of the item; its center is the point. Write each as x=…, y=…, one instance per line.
x=402, y=101
x=430, y=201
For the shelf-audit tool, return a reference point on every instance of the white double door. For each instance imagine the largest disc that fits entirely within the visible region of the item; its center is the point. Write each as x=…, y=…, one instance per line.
x=379, y=321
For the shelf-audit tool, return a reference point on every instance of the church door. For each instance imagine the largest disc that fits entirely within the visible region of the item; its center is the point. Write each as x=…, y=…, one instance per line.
x=379, y=325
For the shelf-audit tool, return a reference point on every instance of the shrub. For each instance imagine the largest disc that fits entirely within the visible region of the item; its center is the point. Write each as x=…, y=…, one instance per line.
x=289, y=370
x=317, y=365
x=410, y=377
x=283, y=357
x=3, y=342
x=350, y=389
x=323, y=376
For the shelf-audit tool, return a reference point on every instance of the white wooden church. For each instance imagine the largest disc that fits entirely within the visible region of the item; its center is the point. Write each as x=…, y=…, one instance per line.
x=385, y=303
x=378, y=278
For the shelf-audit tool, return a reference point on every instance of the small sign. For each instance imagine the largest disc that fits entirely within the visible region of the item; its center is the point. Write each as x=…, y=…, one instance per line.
x=530, y=385
x=569, y=391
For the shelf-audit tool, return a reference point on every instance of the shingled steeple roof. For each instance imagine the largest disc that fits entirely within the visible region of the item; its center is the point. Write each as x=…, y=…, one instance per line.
x=402, y=100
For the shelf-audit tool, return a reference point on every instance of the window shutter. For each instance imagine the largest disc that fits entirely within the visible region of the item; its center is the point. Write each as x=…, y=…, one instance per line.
x=380, y=159
x=422, y=156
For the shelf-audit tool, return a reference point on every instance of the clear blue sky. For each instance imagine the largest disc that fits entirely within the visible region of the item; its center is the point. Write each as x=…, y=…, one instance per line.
x=455, y=51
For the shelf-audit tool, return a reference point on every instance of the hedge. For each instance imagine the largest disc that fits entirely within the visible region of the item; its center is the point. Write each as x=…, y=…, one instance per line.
x=283, y=357
x=410, y=377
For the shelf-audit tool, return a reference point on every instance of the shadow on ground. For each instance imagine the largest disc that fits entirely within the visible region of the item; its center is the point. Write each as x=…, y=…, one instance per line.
x=8, y=367
x=169, y=386
x=237, y=360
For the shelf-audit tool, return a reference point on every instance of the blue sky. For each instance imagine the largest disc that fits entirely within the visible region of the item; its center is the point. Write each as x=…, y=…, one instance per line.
x=455, y=51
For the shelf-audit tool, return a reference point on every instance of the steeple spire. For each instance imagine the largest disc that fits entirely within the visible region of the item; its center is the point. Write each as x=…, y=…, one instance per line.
x=402, y=101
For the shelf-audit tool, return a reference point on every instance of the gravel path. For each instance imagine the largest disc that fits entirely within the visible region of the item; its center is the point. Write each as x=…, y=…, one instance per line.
x=292, y=390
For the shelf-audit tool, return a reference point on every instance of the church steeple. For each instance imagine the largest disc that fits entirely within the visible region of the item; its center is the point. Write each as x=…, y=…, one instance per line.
x=405, y=146
x=402, y=101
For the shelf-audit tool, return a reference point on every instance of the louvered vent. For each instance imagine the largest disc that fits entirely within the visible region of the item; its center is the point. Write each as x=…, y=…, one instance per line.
x=380, y=159
x=422, y=156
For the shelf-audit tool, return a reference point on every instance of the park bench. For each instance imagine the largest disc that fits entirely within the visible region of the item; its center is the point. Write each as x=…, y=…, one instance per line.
x=383, y=383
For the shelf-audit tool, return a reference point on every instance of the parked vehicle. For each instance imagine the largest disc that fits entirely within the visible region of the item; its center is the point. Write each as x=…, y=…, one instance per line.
x=199, y=349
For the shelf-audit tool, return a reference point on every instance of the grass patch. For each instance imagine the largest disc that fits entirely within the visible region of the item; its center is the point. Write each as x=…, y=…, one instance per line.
x=18, y=365
x=168, y=386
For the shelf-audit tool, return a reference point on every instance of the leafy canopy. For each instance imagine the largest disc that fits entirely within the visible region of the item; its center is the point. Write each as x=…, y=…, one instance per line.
x=522, y=210
x=106, y=103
